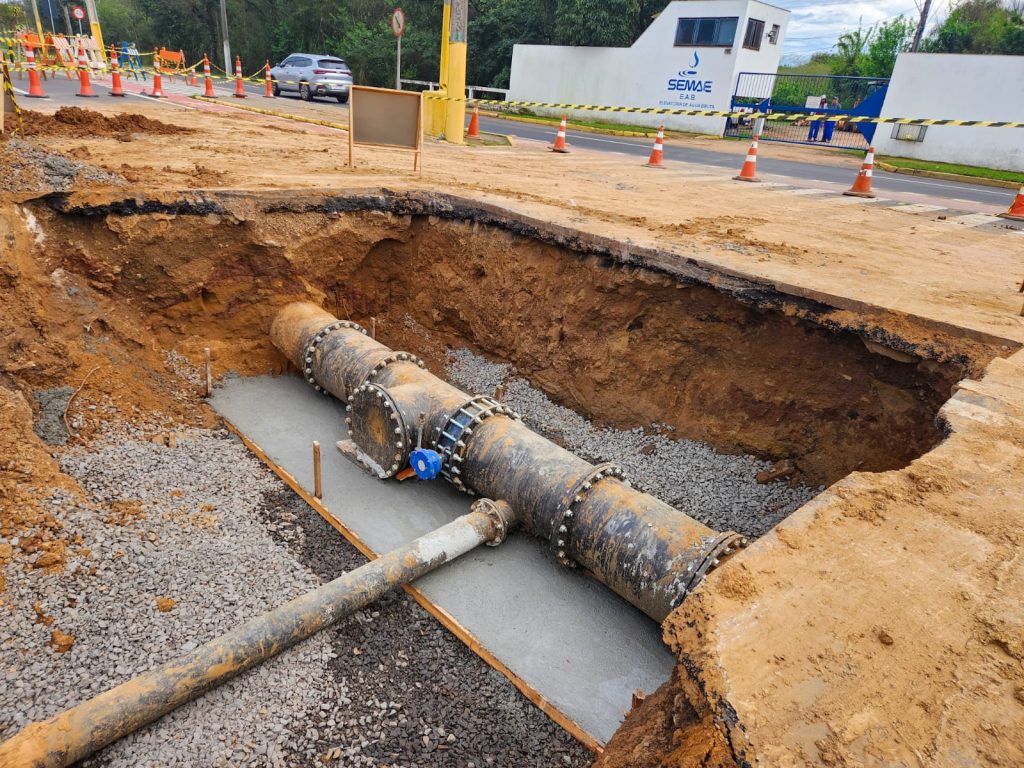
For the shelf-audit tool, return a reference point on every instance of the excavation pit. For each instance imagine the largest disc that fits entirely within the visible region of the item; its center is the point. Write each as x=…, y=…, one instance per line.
x=631, y=338
x=628, y=337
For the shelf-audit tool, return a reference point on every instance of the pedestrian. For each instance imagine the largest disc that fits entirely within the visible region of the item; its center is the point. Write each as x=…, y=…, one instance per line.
x=830, y=125
x=812, y=132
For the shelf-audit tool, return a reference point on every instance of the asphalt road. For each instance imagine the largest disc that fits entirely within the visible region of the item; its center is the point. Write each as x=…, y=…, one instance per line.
x=955, y=195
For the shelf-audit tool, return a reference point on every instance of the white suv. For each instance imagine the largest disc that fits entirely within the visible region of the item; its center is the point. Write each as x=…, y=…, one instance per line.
x=311, y=75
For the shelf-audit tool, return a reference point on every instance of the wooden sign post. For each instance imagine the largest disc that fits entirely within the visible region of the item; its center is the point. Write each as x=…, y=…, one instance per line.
x=386, y=118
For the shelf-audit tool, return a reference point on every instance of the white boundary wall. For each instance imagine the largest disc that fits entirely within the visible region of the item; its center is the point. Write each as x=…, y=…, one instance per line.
x=653, y=72
x=960, y=87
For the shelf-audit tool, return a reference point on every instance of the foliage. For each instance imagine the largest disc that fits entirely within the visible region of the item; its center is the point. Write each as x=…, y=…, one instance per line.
x=12, y=15
x=980, y=26
x=884, y=45
x=360, y=32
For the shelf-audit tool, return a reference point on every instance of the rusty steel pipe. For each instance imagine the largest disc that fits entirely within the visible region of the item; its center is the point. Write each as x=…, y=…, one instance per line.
x=646, y=551
x=88, y=727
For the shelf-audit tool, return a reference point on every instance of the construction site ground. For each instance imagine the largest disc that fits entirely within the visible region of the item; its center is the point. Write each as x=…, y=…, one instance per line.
x=879, y=624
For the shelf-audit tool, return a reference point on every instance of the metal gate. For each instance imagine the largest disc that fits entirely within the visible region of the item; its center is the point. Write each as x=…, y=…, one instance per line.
x=768, y=92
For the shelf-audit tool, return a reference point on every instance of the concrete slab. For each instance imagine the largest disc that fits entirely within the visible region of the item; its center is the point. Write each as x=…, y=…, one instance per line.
x=975, y=219
x=565, y=636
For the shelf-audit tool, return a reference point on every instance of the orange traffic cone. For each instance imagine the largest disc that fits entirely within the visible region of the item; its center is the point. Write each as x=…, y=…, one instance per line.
x=239, y=88
x=268, y=85
x=659, y=149
x=1016, y=211
x=559, y=145
x=35, y=87
x=115, y=75
x=862, y=184
x=208, y=91
x=192, y=79
x=84, y=85
x=474, y=124
x=158, y=86
x=749, y=170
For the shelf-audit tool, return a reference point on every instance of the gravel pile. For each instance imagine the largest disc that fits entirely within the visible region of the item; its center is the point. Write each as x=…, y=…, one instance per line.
x=177, y=545
x=717, y=489
x=26, y=168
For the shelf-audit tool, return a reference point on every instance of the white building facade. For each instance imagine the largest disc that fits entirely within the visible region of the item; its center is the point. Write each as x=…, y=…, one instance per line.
x=960, y=87
x=689, y=58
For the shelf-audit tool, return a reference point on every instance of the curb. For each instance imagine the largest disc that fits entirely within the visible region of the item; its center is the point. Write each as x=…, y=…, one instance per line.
x=583, y=128
x=605, y=131
x=948, y=176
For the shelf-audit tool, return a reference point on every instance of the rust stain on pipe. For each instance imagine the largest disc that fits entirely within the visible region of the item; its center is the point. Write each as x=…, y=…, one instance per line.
x=88, y=727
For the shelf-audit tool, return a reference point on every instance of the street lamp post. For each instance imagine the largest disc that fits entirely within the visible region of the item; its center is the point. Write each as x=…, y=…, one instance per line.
x=224, y=35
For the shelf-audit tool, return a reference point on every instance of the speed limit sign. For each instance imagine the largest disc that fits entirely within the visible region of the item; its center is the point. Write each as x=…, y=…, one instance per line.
x=78, y=12
x=398, y=22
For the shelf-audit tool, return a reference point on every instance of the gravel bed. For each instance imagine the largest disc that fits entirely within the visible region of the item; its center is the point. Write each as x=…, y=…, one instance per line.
x=27, y=168
x=717, y=489
x=177, y=545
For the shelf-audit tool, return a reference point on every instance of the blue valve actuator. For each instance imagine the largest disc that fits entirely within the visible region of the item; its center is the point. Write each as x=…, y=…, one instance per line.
x=426, y=463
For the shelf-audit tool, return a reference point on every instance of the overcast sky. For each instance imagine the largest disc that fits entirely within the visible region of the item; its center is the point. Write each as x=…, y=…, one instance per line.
x=815, y=25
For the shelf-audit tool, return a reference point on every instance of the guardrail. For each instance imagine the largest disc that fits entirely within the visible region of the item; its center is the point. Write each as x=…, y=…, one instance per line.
x=471, y=90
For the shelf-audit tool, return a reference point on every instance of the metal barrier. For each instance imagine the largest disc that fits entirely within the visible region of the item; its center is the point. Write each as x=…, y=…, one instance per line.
x=471, y=90
x=828, y=95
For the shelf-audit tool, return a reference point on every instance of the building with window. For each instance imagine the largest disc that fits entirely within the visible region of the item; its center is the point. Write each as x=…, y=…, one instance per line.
x=688, y=58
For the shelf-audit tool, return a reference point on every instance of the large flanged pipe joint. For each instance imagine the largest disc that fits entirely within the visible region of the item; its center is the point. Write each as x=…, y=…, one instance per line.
x=648, y=552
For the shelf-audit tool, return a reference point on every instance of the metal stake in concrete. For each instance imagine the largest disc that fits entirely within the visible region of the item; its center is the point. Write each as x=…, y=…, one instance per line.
x=317, y=487
x=209, y=371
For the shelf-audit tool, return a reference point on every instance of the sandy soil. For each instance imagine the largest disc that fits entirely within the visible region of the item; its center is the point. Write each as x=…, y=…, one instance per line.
x=880, y=625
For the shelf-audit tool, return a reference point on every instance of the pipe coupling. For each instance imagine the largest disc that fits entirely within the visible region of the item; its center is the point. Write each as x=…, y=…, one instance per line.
x=502, y=516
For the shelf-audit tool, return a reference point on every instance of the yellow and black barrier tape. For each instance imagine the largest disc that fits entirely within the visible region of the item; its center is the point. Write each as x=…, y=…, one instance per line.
x=272, y=113
x=775, y=116
x=128, y=71
x=9, y=93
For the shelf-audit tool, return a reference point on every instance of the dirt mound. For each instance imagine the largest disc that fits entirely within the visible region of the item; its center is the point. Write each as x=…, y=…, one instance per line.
x=84, y=123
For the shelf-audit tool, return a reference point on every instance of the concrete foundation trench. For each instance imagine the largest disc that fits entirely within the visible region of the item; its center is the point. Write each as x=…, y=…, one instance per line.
x=734, y=401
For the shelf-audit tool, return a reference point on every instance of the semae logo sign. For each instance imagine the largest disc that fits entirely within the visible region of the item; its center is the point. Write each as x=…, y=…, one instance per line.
x=688, y=83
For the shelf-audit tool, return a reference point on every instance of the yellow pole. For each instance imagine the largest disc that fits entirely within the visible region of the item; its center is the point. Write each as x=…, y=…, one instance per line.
x=39, y=23
x=437, y=109
x=94, y=26
x=455, y=119
x=446, y=23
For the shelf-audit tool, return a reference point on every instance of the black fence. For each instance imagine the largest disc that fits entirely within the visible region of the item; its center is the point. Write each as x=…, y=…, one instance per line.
x=809, y=94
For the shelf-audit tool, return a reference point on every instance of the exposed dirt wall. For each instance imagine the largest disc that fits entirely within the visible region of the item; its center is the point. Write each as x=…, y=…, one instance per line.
x=628, y=346
x=747, y=371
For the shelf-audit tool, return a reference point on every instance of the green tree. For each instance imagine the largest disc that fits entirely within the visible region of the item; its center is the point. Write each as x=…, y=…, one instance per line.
x=980, y=26
x=885, y=44
x=12, y=16
x=850, y=50
x=602, y=22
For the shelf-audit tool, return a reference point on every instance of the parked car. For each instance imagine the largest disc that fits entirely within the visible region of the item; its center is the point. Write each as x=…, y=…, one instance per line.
x=310, y=75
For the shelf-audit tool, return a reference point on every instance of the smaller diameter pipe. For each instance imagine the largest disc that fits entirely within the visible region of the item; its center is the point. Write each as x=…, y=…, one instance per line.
x=84, y=729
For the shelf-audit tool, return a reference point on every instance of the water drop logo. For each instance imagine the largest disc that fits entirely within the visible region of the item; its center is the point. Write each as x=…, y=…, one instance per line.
x=693, y=67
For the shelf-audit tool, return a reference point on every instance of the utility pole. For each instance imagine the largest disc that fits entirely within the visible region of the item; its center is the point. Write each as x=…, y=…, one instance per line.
x=39, y=24
x=921, y=25
x=224, y=36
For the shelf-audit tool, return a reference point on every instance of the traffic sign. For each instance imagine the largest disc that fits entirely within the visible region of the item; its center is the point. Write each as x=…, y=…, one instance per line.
x=398, y=22
x=78, y=12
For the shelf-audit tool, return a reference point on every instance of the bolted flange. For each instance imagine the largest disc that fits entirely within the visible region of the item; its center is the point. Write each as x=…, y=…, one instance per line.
x=378, y=429
x=310, y=354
